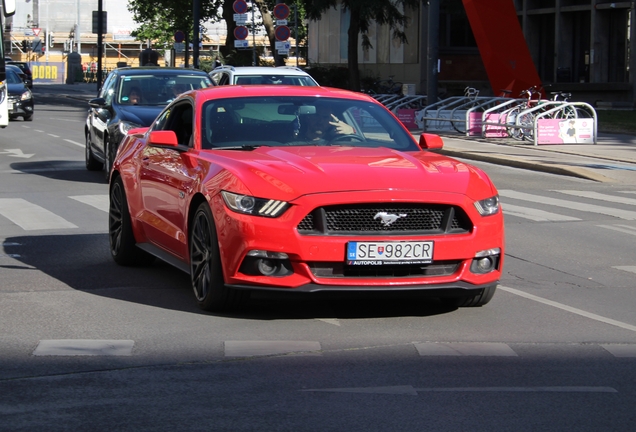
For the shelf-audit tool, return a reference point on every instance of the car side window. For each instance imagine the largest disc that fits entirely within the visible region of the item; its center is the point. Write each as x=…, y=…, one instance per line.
x=107, y=89
x=179, y=118
x=225, y=79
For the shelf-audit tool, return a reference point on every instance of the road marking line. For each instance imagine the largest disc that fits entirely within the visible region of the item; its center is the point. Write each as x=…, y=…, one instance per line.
x=631, y=269
x=620, y=228
x=599, y=196
x=265, y=348
x=333, y=321
x=100, y=202
x=464, y=349
x=618, y=350
x=84, y=347
x=30, y=216
x=411, y=391
x=54, y=136
x=622, y=214
x=74, y=142
x=534, y=214
x=569, y=309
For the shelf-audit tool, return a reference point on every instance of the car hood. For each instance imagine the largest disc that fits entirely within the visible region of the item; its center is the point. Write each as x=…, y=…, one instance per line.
x=16, y=89
x=287, y=173
x=140, y=114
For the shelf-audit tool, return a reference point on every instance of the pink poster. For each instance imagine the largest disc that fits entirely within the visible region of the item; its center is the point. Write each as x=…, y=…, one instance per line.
x=407, y=117
x=492, y=130
x=565, y=131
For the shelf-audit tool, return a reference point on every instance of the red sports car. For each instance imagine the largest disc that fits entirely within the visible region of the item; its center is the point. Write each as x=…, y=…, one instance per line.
x=302, y=189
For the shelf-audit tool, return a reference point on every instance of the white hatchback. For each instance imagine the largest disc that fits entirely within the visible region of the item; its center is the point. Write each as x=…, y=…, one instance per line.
x=250, y=75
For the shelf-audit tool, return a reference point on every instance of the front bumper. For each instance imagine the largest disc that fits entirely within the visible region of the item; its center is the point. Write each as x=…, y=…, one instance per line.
x=317, y=262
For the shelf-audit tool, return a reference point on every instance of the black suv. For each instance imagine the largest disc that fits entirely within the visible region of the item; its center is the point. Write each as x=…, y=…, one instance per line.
x=26, y=69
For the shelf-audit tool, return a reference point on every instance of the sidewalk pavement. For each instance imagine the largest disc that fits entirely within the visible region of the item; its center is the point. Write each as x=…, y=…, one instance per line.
x=611, y=160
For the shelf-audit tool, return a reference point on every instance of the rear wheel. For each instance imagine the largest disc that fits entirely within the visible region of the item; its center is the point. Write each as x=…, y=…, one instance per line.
x=481, y=298
x=109, y=157
x=206, y=272
x=120, y=233
x=92, y=164
x=27, y=117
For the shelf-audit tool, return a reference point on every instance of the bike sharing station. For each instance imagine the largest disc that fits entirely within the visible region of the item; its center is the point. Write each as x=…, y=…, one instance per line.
x=540, y=121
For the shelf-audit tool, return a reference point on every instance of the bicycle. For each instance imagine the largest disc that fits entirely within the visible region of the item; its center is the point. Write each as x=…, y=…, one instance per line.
x=459, y=124
x=386, y=86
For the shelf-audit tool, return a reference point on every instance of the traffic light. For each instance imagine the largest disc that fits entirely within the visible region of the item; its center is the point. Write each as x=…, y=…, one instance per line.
x=25, y=45
x=51, y=39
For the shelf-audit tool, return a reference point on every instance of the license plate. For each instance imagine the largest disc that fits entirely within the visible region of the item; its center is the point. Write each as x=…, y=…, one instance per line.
x=381, y=253
x=10, y=105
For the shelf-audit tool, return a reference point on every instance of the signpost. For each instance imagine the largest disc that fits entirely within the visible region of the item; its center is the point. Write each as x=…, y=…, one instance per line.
x=282, y=32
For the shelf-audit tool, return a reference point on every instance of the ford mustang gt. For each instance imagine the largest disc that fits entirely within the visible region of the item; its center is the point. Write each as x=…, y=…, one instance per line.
x=302, y=189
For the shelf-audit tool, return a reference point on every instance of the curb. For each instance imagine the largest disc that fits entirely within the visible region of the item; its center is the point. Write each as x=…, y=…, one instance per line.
x=533, y=166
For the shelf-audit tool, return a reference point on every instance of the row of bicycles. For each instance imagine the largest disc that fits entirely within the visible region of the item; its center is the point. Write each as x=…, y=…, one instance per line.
x=501, y=116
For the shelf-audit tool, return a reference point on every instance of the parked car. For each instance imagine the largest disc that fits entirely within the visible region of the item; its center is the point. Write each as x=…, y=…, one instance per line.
x=232, y=186
x=249, y=75
x=26, y=69
x=114, y=112
x=20, y=97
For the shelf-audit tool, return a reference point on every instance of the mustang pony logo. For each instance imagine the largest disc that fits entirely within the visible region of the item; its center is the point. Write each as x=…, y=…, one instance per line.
x=388, y=219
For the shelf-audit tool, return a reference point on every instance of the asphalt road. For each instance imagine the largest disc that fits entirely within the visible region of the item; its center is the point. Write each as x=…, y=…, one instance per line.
x=88, y=345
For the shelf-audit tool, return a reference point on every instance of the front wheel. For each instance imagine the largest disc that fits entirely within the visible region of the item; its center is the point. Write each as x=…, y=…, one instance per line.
x=206, y=272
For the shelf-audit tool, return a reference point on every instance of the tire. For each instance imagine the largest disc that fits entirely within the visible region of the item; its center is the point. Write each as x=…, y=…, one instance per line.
x=527, y=121
x=92, y=164
x=28, y=118
x=206, y=272
x=481, y=298
x=110, y=151
x=123, y=247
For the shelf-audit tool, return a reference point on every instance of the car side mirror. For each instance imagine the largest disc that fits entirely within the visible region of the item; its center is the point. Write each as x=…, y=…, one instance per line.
x=163, y=138
x=97, y=103
x=431, y=141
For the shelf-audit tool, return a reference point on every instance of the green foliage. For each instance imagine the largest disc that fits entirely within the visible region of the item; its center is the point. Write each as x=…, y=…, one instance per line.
x=335, y=76
x=160, y=19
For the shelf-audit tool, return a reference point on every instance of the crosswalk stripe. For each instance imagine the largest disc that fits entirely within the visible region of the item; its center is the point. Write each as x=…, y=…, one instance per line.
x=591, y=208
x=599, y=196
x=100, y=202
x=464, y=349
x=626, y=229
x=631, y=269
x=534, y=214
x=29, y=216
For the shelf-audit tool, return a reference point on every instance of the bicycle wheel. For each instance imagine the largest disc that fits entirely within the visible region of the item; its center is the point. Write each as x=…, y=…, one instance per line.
x=459, y=124
x=511, y=118
x=566, y=112
x=526, y=121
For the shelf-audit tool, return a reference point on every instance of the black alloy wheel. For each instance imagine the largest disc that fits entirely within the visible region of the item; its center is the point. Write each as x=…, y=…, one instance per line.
x=120, y=234
x=206, y=272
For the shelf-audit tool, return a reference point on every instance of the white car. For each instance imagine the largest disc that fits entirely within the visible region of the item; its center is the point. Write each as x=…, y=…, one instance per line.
x=249, y=75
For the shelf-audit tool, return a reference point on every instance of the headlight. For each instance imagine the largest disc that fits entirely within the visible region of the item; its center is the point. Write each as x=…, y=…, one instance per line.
x=124, y=127
x=26, y=95
x=254, y=206
x=488, y=206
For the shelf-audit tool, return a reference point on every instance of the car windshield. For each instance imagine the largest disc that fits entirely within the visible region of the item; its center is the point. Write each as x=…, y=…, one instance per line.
x=157, y=89
x=12, y=77
x=295, y=121
x=298, y=80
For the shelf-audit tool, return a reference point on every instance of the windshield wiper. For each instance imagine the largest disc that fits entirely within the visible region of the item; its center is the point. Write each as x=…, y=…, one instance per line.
x=248, y=147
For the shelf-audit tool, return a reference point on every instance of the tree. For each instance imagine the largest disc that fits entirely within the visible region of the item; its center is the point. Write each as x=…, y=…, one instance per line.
x=160, y=19
x=362, y=13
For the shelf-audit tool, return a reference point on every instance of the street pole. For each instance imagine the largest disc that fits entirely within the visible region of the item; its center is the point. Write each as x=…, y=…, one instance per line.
x=196, y=15
x=77, y=30
x=433, y=51
x=253, y=36
x=46, y=38
x=100, y=48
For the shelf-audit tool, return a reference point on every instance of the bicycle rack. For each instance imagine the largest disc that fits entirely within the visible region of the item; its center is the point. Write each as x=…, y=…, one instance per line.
x=457, y=109
x=494, y=121
x=587, y=107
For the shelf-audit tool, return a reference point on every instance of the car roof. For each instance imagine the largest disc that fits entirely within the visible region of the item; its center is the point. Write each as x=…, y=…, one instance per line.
x=278, y=90
x=157, y=70
x=16, y=69
x=261, y=70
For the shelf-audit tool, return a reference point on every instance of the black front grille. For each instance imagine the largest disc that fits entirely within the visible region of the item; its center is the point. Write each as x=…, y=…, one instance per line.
x=383, y=219
x=341, y=270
